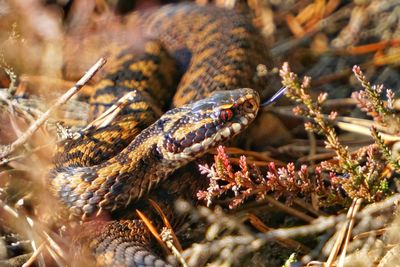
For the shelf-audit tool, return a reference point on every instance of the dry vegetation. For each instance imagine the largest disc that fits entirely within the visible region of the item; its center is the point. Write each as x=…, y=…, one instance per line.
x=319, y=189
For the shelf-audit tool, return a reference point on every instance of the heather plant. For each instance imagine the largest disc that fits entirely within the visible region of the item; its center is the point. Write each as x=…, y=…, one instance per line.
x=283, y=183
x=359, y=175
x=370, y=101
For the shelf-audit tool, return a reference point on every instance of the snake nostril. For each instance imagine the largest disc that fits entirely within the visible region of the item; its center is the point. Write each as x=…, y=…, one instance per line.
x=249, y=106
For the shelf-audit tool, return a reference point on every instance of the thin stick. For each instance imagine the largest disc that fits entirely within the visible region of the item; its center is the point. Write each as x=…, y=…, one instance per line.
x=323, y=223
x=340, y=237
x=357, y=206
x=301, y=203
x=371, y=233
x=107, y=116
x=200, y=252
x=169, y=241
x=8, y=160
x=365, y=131
x=64, y=98
x=287, y=242
x=34, y=256
x=289, y=210
x=167, y=224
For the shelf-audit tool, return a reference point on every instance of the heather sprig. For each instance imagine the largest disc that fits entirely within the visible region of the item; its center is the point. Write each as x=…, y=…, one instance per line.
x=222, y=170
x=318, y=122
x=357, y=179
x=374, y=185
x=369, y=100
x=283, y=183
x=359, y=175
x=384, y=149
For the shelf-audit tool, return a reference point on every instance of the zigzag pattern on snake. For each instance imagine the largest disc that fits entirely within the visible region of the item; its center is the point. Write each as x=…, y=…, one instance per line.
x=214, y=52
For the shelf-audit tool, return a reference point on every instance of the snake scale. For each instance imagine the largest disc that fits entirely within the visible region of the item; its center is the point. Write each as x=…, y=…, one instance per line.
x=210, y=55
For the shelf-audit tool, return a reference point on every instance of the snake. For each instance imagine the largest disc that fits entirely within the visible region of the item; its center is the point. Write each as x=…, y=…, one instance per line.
x=210, y=55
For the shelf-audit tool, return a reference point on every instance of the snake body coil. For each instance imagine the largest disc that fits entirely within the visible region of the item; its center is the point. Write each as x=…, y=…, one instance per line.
x=179, y=136
x=215, y=51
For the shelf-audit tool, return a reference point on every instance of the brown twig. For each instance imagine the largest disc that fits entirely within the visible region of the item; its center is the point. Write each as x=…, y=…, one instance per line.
x=259, y=157
x=7, y=150
x=199, y=253
x=34, y=256
x=109, y=115
x=343, y=235
x=303, y=204
x=289, y=210
x=287, y=242
x=371, y=233
x=323, y=223
x=153, y=230
x=357, y=205
x=8, y=160
x=167, y=224
x=33, y=81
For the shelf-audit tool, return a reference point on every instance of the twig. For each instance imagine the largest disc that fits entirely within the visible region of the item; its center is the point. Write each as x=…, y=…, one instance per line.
x=24, y=222
x=64, y=98
x=290, y=44
x=341, y=235
x=291, y=243
x=34, y=256
x=167, y=225
x=303, y=204
x=153, y=230
x=260, y=159
x=289, y=210
x=109, y=115
x=365, y=131
x=59, y=261
x=57, y=253
x=324, y=223
x=8, y=160
x=357, y=206
x=371, y=233
x=36, y=80
x=167, y=237
x=198, y=252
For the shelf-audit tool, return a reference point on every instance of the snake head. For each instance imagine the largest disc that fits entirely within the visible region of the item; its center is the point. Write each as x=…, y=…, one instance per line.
x=192, y=129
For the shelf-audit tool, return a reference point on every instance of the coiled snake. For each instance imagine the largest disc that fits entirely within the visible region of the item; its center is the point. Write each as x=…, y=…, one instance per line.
x=213, y=51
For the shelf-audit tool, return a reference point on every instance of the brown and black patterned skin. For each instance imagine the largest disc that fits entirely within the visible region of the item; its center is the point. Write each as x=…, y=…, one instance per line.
x=117, y=243
x=212, y=49
x=224, y=46
x=153, y=76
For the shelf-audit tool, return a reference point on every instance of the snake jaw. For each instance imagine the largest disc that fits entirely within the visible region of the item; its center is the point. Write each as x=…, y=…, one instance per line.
x=208, y=123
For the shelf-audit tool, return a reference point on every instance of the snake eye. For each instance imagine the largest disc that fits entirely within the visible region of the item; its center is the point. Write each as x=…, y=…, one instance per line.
x=249, y=106
x=226, y=114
